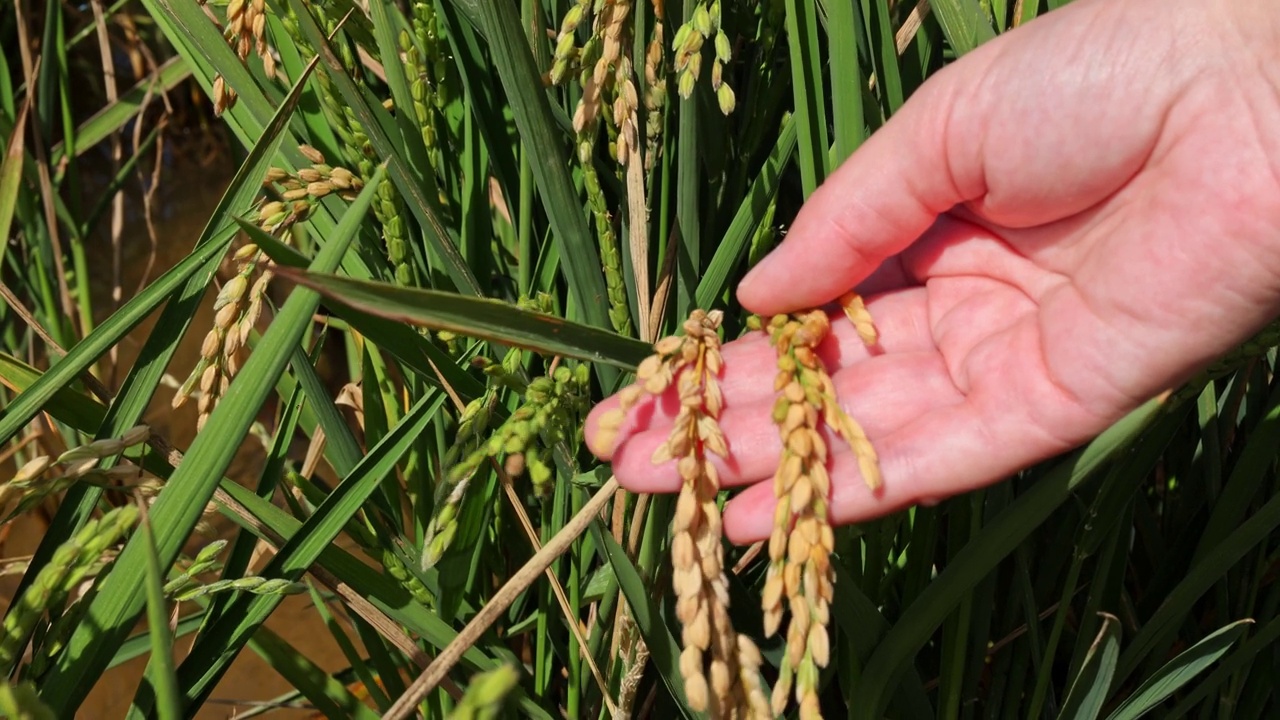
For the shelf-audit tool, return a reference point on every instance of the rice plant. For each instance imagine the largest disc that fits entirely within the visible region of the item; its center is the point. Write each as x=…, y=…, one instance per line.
x=454, y=226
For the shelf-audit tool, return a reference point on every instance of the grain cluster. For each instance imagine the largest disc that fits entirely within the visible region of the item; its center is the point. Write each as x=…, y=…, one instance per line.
x=800, y=578
x=240, y=301
x=246, y=31
x=719, y=666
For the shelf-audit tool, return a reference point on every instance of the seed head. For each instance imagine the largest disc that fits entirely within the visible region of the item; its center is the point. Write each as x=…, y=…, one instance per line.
x=720, y=667
x=800, y=570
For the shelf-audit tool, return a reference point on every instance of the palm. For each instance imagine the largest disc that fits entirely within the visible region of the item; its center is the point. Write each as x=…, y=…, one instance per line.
x=1082, y=263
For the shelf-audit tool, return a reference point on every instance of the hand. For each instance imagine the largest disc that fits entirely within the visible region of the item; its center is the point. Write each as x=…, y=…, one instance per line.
x=1069, y=220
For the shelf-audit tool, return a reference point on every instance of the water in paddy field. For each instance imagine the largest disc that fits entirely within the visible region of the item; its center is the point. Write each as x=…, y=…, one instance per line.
x=187, y=195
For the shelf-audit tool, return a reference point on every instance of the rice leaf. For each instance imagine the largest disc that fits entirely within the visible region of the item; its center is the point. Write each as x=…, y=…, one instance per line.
x=477, y=317
x=1179, y=671
x=1091, y=686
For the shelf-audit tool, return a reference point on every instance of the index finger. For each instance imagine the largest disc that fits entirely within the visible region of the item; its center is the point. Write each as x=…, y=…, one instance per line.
x=873, y=206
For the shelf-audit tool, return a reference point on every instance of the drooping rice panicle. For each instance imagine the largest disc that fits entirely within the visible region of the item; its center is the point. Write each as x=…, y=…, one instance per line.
x=719, y=666
x=800, y=573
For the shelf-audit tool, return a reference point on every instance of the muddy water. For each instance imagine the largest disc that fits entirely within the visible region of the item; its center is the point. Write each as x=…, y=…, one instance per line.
x=191, y=193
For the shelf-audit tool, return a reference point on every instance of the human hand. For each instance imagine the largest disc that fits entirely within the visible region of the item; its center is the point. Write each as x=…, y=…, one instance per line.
x=1067, y=221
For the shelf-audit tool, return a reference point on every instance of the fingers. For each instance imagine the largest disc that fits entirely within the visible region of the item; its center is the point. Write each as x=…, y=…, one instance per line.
x=950, y=451
x=1014, y=415
x=875, y=204
x=750, y=363
x=895, y=391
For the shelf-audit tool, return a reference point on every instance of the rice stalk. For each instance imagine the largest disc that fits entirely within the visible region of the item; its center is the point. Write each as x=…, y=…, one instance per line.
x=240, y=301
x=427, y=64
x=703, y=25
x=249, y=583
x=356, y=147
x=655, y=91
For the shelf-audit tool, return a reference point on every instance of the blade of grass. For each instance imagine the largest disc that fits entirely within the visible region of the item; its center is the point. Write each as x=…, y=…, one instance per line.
x=647, y=614
x=1176, y=606
x=482, y=318
x=217, y=646
x=410, y=136
x=846, y=89
x=888, y=78
x=408, y=346
x=18, y=376
x=1240, y=659
x=963, y=22
x=25, y=407
x=184, y=285
x=160, y=669
x=11, y=176
x=1090, y=688
x=379, y=127
x=140, y=644
x=515, y=585
x=270, y=524
x=810, y=97
x=325, y=692
x=484, y=101
x=522, y=83
x=734, y=244
x=860, y=621
x=1247, y=477
x=1179, y=671
x=115, y=116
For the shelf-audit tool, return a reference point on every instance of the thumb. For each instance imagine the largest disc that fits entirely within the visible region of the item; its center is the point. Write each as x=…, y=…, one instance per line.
x=876, y=203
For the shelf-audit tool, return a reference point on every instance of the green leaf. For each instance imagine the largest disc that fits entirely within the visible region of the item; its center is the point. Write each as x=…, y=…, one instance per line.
x=113, y=117
x=734, y=244
x=1197, y=581
x=1240, y=660
x=270, y=523
x=409, y=347
x=325, y=692
x=1179, y=671
x=160, y=670
x=218, y=644
x=18, y=376
x=380, y=129
x=964, y=23
x=846, y=89
x=482, y=318
x=645, y=610
x=11, y=176
x=25, y=407
x=810, y=98
x=1090, y=689
x=523, y=85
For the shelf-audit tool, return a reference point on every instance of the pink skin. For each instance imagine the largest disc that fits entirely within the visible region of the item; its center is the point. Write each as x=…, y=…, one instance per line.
x=1068, y=221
